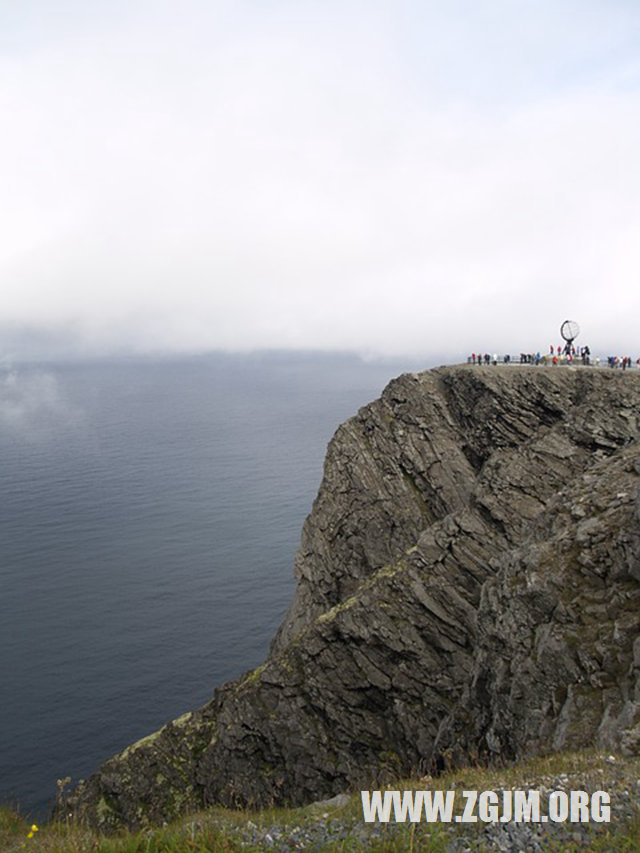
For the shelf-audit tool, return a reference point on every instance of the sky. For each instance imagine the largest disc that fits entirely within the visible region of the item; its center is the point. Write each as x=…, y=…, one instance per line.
x=394, y=178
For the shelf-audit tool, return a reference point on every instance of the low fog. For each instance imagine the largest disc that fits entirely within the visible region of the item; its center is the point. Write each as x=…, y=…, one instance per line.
x=392, y=179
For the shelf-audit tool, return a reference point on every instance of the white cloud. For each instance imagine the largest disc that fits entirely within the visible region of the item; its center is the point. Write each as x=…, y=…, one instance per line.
x=396, y=177
x=31, y=402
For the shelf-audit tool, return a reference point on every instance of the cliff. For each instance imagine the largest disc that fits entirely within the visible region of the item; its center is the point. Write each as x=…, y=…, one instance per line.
x=468, y=584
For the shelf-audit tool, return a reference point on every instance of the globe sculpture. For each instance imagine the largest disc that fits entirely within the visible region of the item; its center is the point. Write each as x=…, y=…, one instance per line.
x=569, y=331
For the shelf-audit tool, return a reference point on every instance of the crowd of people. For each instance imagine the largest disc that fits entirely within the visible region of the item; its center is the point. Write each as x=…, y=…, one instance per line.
x=556, y=355
x=624, y=363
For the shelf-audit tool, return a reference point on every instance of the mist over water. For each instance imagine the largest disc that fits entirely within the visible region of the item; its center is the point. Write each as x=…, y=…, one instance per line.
x=150, y=515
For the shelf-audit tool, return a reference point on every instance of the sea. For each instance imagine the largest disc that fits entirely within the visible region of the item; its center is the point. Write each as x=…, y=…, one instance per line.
x=150, y=512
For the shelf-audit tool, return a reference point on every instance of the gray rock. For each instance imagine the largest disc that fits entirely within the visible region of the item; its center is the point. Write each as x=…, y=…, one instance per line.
x=337, y=802
x=468, y=584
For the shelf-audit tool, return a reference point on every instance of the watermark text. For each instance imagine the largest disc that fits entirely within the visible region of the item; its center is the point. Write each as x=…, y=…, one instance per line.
x=528, y=806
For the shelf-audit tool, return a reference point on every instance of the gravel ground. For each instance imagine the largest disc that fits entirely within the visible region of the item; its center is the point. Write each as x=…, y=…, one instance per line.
x=337, y=822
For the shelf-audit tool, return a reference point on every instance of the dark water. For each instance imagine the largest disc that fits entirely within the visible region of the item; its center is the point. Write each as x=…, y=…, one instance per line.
x=149, y=516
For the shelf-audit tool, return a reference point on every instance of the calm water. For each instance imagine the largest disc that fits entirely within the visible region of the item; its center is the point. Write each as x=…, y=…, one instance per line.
x=150, y=512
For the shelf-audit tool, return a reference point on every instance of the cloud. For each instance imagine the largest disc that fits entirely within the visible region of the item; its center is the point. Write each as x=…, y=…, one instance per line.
x=31, y=403
x=332, y=176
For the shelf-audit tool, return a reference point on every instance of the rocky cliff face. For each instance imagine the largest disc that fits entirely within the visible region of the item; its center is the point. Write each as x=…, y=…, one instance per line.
x=468, y=584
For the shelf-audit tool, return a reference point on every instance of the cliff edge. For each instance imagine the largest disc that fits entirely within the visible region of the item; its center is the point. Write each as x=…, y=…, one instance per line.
x=468, y=584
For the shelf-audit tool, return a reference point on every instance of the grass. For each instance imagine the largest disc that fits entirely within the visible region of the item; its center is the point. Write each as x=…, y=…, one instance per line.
x=219, y=830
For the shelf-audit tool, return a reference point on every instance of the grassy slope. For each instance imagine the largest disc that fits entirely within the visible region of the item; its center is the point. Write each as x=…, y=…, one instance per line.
x=341, y=828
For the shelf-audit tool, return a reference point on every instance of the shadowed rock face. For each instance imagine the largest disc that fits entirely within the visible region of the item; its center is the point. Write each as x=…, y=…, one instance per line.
x=468, y=583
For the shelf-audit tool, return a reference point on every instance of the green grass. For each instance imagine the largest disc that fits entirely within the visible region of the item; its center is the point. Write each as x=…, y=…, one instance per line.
x=219, y=830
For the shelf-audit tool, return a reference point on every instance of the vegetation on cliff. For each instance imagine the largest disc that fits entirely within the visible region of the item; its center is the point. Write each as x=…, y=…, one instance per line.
x=337, y=826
